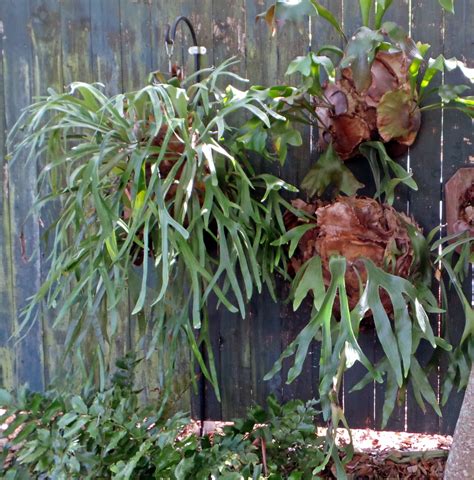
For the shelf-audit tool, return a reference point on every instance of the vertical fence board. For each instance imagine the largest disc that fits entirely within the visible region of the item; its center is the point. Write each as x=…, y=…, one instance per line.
x=235, y=332
x=293, y=41
x=106, y=45
x=265, y=338
x=22, y=186
x=7, y=309
x=425, y=159
x=135, y=43
x=401, y=16
x=45, y=33
x=458, y=152
x=76, y=41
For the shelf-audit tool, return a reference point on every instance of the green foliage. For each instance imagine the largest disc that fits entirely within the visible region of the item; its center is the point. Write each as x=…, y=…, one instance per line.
x=330, y=171
x=387, y=173
x=296, y=10
x=99, y=434
x=153, y=184
x=400, y=333
x=362, y=45
x=109, y=434
x=457, y=270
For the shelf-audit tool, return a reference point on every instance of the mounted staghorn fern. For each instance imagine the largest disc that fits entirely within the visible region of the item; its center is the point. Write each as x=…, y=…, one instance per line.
x=155, y=178
x=368, y=266
x=373, y=90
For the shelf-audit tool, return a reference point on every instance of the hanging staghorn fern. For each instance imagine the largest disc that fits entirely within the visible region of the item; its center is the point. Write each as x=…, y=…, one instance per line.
x=153, y=178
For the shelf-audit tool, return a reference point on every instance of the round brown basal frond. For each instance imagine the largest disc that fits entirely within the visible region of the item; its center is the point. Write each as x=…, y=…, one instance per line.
x=386, y=111
x=357, y=228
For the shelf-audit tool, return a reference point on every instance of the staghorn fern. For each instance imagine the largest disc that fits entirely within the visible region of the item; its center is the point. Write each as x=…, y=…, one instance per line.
x=336, y=257
x=153, y=177
x=373, y=90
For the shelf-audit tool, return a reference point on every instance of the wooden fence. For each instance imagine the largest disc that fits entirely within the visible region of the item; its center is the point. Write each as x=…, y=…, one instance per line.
x=49, y=43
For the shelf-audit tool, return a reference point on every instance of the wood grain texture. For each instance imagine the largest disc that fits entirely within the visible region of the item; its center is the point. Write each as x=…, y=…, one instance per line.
x=26, y=269
x=261, y=61
x=45, y=34
x=6, y=261
x=106, y=45
x=400, y=15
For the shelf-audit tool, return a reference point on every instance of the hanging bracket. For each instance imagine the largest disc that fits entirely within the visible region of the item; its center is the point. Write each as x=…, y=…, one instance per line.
x=195, y=49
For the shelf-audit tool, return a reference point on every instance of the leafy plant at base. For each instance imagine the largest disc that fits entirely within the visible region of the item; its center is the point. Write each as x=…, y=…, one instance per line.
x=108, y=434
x=362, y=260
x=372, y=91
x=154, y=177
x=99, y=434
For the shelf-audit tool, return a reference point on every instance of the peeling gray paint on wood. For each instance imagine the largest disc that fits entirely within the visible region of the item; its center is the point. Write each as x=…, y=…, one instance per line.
x=47, y=43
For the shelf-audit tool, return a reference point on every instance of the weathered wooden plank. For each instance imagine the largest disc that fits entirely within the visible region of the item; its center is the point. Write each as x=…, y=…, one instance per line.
x=76, y=41
x=321, y=34
x=7, y=311
x=106, y=64
x=136, y=63
x=261, y=66
x=162, y=13
x=77, y=66
x=45, y=32
x=205, y=404
x=261, y=58
x=234, y=332
x=106, y=45
x=458, y=151
x=135, y=42
x=21, y=186
x=424, y=204
x=292, y=41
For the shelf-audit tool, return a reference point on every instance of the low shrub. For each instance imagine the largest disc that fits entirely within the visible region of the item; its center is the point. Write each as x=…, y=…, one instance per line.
x=110, y=434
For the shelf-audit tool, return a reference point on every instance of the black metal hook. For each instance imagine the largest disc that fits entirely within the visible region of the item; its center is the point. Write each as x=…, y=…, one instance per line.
x=170, y=37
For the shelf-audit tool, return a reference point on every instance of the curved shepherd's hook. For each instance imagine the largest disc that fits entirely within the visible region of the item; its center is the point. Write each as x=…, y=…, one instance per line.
x=196, y=50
